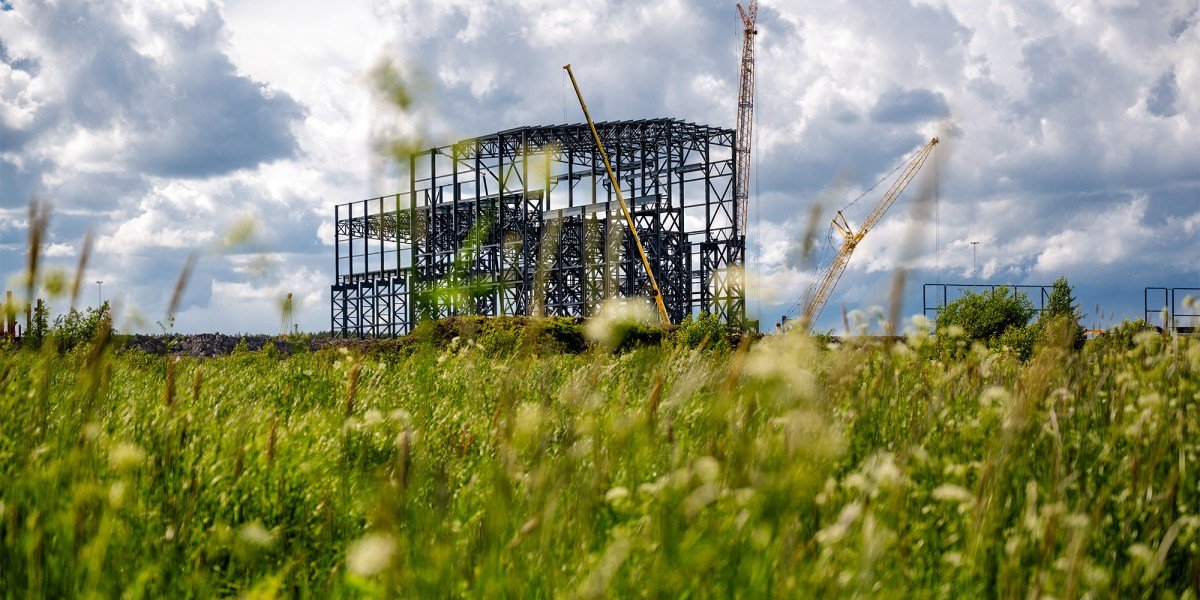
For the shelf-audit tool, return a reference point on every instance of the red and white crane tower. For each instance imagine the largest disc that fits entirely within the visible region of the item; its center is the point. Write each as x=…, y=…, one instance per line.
x=745, y=115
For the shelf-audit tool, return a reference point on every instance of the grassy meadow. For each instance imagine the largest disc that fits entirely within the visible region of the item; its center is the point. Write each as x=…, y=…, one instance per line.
x=487, y=468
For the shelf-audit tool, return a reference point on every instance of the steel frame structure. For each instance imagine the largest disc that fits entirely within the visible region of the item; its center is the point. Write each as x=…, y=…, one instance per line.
x=525, y=222
x=1169, y=314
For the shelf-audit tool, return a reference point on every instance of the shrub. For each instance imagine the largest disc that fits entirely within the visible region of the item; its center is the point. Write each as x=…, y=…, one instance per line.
x=986, y=317
x=1121, y=336
x=76, y=328
x=1018, y=340
x=706, y=330
x=630, y=335
x=549, y=335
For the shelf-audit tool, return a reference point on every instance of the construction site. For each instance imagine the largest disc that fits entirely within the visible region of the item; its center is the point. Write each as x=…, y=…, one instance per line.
x=558, y=220
x=555, y=221
x=526, y=222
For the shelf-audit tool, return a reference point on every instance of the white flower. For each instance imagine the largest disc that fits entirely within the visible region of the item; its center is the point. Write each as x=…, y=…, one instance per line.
x=116, y=493
x=256, y=535
x=372, y=417
x=949, y=492
x=370, y=555
x=125, y=456
x=616, y=495
x=617, y=313
x=527, y=424
x=706, y=469
x=838, y=530
x=994, y=395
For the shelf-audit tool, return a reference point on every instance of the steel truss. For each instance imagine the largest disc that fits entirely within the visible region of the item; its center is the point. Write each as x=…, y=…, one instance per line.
x=525, y=222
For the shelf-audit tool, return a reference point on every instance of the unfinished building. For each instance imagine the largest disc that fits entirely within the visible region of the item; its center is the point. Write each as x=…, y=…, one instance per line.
x=525, y=222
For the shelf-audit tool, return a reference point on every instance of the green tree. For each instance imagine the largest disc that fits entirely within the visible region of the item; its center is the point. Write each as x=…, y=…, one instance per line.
x=986, y=317
x=41, y=324
x=1060, y=318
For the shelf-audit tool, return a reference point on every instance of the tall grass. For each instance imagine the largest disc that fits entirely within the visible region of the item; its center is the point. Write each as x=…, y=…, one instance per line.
x=779, y=469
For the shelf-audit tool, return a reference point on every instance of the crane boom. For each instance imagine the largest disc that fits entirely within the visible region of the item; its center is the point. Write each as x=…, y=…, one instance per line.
x=821, y=289
x=745, y=114
x=616, y=186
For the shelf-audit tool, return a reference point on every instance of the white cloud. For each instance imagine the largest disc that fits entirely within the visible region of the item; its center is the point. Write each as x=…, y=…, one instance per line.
x=58, y=250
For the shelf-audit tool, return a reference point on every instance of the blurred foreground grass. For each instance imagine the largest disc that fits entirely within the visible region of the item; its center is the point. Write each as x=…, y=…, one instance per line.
x=783, y=469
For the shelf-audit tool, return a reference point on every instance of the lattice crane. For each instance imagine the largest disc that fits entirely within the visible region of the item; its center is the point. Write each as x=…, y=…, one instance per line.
x=818, y=293
x=745, y=115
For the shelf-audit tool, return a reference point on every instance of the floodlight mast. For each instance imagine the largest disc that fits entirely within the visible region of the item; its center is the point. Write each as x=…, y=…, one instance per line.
x=612, y=177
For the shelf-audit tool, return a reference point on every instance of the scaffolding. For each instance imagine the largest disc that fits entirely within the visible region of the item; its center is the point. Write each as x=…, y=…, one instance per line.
x=525, y=222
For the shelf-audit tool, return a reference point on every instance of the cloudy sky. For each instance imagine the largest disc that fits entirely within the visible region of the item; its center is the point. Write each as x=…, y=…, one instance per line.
x=1071, y=133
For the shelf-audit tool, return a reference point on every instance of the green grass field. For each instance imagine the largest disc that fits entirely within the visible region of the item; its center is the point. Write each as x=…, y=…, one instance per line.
x=781, y=469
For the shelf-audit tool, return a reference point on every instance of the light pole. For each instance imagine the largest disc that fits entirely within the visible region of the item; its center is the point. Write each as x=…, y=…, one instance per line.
x=974, y=269
x=99, y=295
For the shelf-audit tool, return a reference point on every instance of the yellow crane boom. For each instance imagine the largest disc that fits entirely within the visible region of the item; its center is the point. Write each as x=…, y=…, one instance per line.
x=818, y=293
x=612, y=178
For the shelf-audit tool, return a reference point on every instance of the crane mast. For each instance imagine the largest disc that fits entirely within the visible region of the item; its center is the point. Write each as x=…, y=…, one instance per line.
x=822, y=288
x=745, y=115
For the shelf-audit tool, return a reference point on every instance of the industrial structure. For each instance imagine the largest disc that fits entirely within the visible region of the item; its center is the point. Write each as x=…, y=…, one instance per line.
x=525, y=222
x=1166, y=308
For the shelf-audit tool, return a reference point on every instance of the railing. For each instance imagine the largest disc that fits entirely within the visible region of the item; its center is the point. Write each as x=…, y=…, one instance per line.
x=944, y=293
x=1172, y=314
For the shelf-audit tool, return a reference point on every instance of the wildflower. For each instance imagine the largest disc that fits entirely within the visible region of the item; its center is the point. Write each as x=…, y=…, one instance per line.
x=1141, y=553
x=116, y=493
x=700, y=498
x=953, y=331
x=125, y=457
x=838, y=530
x=706, y=469
x=882, y=469
x=254, y=534
x=948, y=492
x=1076, y=521
x=527, y=423
x=616, y=496
x=921, y=325
x=616, y=315
x=370, y=555
x=372, y=417
x=788, y=359
x=1149, y=400
x=994, y=395
x=855, y=481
